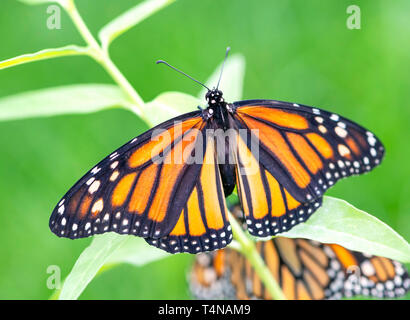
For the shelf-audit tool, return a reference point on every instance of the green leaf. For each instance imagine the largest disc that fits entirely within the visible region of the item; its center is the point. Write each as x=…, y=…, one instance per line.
x=168, y=105
x=129, y=19
x=88, y=264
x=71, y=50
x=105, y=250
x=232, y=78
x=339, y=222
x=62, y=100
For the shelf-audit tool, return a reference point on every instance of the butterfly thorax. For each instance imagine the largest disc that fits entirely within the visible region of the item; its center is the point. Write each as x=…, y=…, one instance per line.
x=217, y=108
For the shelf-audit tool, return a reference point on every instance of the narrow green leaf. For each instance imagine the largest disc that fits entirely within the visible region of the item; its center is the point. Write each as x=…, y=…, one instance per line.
x=88, y=264
x=129, y=19
x=104, y=251
x=168, y=105
x=82, y=98
x=339, y=222
x=232, y=78
x=71, y=50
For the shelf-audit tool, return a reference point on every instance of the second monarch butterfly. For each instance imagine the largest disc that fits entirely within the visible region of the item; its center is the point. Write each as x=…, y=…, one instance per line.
x=144, y=189
x=304, y=269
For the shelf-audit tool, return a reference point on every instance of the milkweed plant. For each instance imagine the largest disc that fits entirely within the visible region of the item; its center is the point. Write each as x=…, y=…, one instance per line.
x=335, y=222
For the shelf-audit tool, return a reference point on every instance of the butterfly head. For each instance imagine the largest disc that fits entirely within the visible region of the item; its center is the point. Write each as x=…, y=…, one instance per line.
x=214, y=97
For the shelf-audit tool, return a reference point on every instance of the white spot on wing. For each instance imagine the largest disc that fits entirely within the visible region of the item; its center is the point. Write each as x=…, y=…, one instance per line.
x=89, y=181
x=341, y=132
x=94, y=186
x=114, y=175
x=98, y=206
x=371, y=140
x=343, y=150
x=334, y=117
x=341, y=125
x=61, y=210
x=322, y=129
x=95, y=170
x=114, y=155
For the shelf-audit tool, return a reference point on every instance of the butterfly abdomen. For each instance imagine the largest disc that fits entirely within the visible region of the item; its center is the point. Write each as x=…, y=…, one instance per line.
x=228, y=177
x=220, y=125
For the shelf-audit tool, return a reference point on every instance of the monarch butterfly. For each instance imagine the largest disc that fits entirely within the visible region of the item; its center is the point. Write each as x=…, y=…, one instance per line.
x=179, y=206
x=304, y=269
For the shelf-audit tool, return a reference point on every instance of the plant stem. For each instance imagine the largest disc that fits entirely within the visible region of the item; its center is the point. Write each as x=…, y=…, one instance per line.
x=248, y=249
x=103, y=58
x=116, y=74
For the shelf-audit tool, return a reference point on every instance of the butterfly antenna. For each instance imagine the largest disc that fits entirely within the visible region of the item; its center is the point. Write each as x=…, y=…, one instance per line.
x=166, y=63
x=223, y=65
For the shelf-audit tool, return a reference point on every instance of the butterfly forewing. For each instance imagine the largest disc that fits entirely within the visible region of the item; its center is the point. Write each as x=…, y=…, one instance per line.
x=302, y=152
x=135, y=189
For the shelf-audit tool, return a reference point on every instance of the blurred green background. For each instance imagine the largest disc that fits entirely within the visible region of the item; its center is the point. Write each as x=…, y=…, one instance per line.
x=299, y=51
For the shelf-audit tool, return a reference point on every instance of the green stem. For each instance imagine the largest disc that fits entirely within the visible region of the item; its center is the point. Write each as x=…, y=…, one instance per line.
x=116, y=74
x=103, y=58
x=80, y=24
x=248, y=249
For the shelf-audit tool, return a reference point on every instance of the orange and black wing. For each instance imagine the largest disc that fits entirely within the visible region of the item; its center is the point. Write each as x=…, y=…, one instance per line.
x=269, y=207
x=144, y=186
x=304, y=269
x=302, y=151
x=307, y=269
x=366, y=275
x=202, y=223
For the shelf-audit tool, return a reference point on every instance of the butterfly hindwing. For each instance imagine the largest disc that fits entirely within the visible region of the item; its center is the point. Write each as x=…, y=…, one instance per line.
x=203, y=223
x=268, y=206
x=369, y=275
